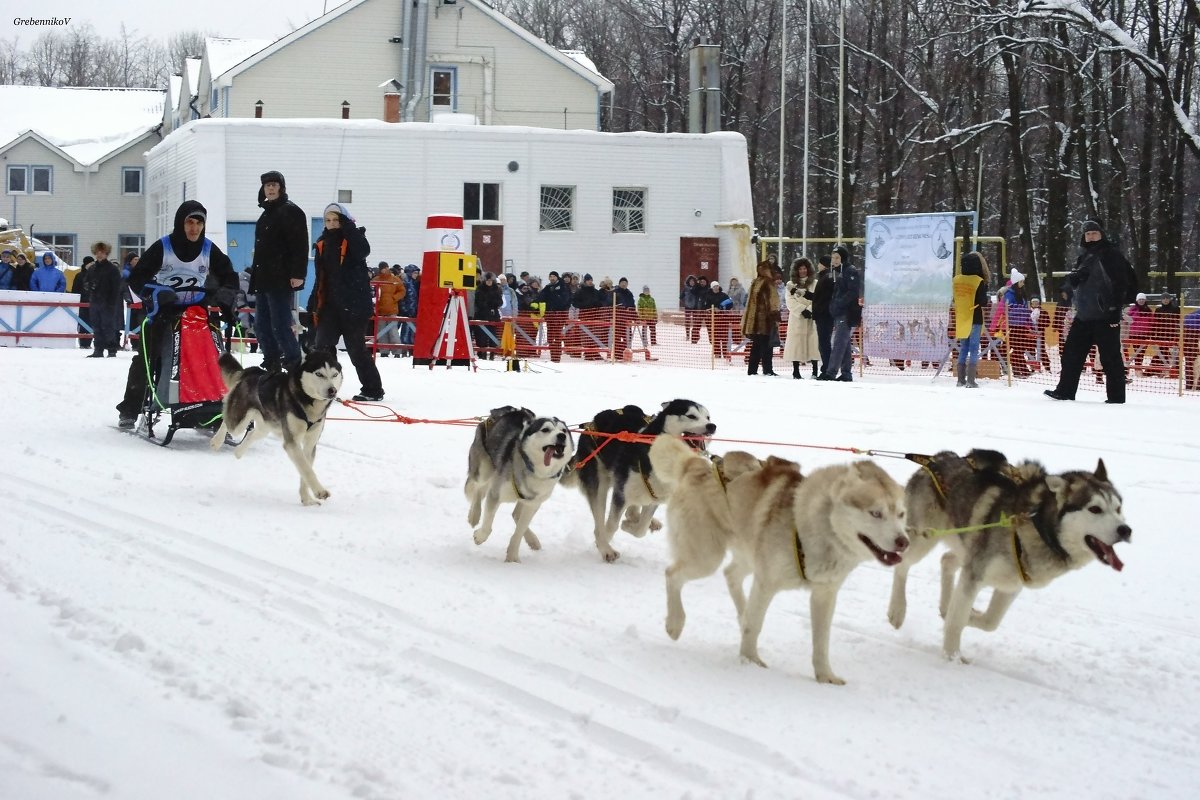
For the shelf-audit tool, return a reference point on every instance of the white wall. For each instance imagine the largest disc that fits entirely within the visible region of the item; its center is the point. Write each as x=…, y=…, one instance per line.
x=400, y=174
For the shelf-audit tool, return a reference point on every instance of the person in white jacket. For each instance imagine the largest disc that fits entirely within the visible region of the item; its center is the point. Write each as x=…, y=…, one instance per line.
x=801, y=344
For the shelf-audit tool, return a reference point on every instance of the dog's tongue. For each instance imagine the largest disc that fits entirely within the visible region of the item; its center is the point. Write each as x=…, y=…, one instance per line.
x=548, y=453
x=1105, y=553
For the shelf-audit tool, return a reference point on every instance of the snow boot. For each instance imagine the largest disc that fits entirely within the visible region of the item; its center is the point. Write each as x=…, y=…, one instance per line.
x=971, y=384
x=962, y=371
x=796, y=370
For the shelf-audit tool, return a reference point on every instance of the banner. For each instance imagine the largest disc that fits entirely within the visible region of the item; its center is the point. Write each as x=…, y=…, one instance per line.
x=908, y=268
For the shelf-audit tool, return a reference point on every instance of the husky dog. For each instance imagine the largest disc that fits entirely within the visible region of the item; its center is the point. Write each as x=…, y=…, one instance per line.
x=787, y=530
x=290, y=405
x=517, y=457
x=623, y=468
x=1024, y=528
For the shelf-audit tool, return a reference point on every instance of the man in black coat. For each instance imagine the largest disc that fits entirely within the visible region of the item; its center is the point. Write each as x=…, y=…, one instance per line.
x=846, y=309
x=106, y=299
x=170, y=269
x=822, y=295
x=280, y=267
x=557, y=298
x=1104, y=284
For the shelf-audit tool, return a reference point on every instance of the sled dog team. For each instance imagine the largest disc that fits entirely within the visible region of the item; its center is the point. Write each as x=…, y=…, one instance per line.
x=1004, y=526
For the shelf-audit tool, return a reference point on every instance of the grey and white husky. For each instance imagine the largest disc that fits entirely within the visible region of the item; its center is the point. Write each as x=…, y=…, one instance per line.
x=291, y=405
x=516, y=457
x=1024, y=528
x=787, y=530
x=622, y=469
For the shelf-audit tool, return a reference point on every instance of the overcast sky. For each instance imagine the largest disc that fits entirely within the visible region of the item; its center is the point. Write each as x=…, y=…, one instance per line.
x=156, y=19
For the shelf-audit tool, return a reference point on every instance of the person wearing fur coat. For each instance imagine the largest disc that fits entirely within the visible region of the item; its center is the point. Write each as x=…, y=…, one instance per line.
x=760, y=318
x=801, y=344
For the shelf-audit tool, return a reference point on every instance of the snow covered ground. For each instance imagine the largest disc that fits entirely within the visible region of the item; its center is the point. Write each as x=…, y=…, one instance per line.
x=175, y=624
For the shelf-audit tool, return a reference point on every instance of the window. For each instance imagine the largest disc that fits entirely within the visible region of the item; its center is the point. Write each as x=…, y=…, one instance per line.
x=481, y=201
x=63, y=245
x=212, y=107
x=130, y=243
x=442, y=88
x=22, y=179
x=131, y=180
x=18, y=180
x=557, y=207
x=43, y=180
x=629, y=211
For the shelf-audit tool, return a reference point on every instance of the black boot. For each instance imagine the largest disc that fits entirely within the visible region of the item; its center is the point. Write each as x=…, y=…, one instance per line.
x=796, y=370
x=816, y=371
x=962, y=374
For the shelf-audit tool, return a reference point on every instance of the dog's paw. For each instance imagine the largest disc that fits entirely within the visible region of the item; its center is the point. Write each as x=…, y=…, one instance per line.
x=480, y=536
x=675, y=626
x=956, y=657
x=512, y=558
x=533, y=541
x=830, y=678
x=655, y=525
x=309, y=501
x=896, y=616
x=610, y=555
x=754, y=659
x=322, y=494
x=216, y=441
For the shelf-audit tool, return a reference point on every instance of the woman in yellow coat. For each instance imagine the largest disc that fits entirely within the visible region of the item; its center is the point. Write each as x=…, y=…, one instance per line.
x=970, y=298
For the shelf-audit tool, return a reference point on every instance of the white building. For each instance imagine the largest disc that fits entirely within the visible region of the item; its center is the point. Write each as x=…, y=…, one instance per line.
x=73, y=164
x=647, y=206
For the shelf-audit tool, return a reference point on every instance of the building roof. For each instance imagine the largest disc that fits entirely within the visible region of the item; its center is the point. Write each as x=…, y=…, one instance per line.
x=192, y=65
x=578, y=62
x=85, y=126
x=224, y=54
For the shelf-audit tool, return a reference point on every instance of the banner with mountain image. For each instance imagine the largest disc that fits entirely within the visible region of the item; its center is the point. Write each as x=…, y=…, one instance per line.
x=908, y=269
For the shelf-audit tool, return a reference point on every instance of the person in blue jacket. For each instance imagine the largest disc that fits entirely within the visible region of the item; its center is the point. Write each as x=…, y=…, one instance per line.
x=48, y=277
x=343, y=302
x=7, y=273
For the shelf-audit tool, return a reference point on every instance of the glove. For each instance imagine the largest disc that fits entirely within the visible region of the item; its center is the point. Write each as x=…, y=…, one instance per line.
x=224, y=297
x=795, y=290
x=808, y=295
x=1077, y=277
x=160, y=297
x=806, y=314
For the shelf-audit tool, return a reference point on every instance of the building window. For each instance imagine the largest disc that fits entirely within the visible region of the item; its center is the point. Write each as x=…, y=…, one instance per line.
x=18, y=180
x=43, y=179
x=212, y=107
x=63, y=245
x=629, y=211
x=442, y=88
x=481, y=201
x=557, y=208
x=22, y=179
x=131, y=180
x=128, y=243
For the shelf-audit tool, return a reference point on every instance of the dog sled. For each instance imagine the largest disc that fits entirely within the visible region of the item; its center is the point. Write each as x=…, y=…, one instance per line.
x=184, y=388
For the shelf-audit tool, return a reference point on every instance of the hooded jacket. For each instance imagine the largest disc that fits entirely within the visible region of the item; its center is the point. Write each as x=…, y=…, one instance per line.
x=1104, y=282
x=847, y=290
x=280, y=240
x=222, y=281
x=48, y=277
x=343, y=279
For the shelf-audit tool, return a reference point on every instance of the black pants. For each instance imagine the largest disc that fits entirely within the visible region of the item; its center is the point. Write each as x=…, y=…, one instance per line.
x=332, y=324
x=106, y=326
x=136, y=381
x=824, y=339
x=760, y=353
x=1106, y=337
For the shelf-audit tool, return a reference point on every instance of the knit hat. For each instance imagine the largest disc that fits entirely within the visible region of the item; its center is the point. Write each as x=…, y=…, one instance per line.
x=197, y=214
x=1015, y=276
x=843, y=252
x=646, y=288
x=1140, y=297
x=554, y=272
x=340, y=209
x=411, y=268
x=587, y=276
x=623, y=280
x=87, y=260
x=1092, y=225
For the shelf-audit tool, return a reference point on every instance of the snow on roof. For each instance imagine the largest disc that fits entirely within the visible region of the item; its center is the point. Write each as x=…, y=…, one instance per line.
x=224, y=54
x=86, y=124
x=174, y=87
x=579, y=57
x=193, y=73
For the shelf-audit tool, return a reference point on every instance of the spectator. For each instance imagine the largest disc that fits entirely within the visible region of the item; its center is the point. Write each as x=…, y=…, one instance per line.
x=343, y=298
x=409, y=305
x=626, y=314
x=22, y=273
x=390, y=290
x=846, y=308
x=823, y=320
x=7, y=269
x=690, y=304
x=280, y=268
x=82, y=286
x=1041, y=323
x=801, y=343
x=647, y=311
x=760, y=318
x=107, y=302
x=1104, y=283
x=970, y=289
x=245, y=307
x=183, y=258
x=488, y=299
x=737, y=294
x=48, y=277
x=557, y=299
x=1141, y=329
x=719, y=306
x=588, y=301
x=1166, y=332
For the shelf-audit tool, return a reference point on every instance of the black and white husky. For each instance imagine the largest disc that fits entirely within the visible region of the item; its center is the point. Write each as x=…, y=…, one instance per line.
x=290, y=405
x=516, y=457
x=1005, y=526
x=609, y=465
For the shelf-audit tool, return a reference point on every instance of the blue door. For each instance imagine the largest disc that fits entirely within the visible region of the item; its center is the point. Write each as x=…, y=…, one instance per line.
x=241, y=252
x=318, y=226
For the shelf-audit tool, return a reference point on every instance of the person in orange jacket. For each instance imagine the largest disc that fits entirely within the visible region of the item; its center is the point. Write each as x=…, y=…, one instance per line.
x=390, y=291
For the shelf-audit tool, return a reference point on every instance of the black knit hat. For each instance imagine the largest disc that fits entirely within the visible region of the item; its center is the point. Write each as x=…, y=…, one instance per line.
x=1092, y=225
x=587, y=276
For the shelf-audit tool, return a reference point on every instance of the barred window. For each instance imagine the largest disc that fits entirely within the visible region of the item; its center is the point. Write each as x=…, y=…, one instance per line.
x=557, y=208
x=629, y=211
